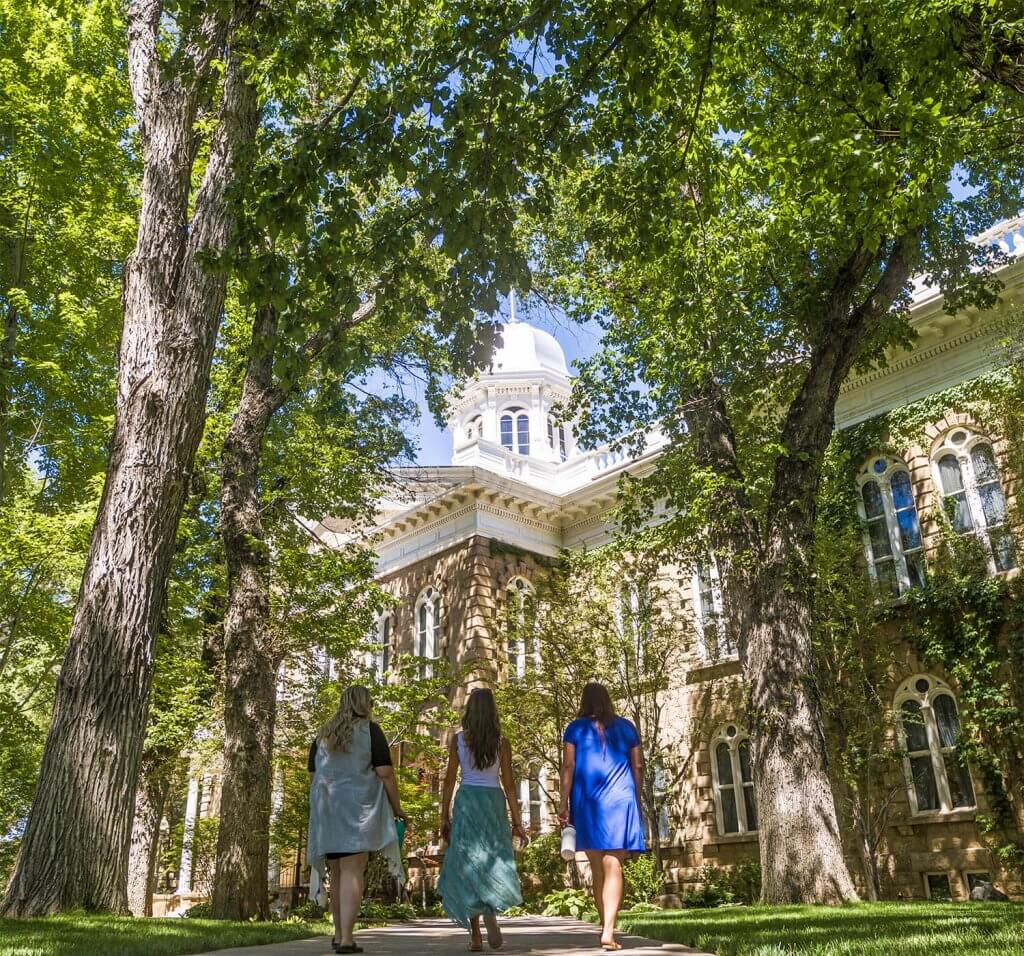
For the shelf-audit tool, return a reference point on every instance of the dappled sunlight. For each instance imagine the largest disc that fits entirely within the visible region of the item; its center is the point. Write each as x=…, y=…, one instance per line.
x=857, y=929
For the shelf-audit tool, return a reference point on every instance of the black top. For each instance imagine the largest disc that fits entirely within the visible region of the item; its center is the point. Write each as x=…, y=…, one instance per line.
x=380, y=752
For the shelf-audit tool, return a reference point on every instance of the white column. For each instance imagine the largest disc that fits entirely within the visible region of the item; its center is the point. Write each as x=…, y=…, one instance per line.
x=545, y=822
x=276, y=804
x=191, y=811
x=489, y=408
x=538, y=425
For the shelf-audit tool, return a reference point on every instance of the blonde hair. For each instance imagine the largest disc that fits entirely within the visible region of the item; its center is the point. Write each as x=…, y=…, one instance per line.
x=355, y=705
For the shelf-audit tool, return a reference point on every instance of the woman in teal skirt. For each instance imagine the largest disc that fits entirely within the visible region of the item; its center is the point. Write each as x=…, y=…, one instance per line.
x=478, y=877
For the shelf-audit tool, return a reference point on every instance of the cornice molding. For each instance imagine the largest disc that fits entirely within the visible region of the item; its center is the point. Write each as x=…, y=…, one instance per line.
x=986, y=330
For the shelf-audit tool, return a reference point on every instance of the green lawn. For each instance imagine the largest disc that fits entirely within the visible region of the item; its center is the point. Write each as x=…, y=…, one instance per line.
x=862, y=929
x=123, y=936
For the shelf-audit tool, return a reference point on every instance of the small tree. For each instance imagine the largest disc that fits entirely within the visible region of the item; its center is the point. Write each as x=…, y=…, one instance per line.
x=601, y=617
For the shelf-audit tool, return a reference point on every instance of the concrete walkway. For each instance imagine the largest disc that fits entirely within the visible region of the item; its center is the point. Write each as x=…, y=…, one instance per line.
x=536, y=935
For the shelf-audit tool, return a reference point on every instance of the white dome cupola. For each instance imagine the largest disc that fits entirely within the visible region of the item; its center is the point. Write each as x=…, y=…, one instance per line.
x=505, y=417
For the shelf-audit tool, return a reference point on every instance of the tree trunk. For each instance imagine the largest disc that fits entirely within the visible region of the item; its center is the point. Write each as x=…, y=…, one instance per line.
x=801, y=850
x=149, y=811
x=74, y=853
x=250, y=692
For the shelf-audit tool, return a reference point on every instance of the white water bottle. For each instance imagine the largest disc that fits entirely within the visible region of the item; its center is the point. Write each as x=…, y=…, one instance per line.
x=568, y=842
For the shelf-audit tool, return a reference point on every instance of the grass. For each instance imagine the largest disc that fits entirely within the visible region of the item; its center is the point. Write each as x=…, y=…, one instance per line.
x=861, y=929
x=82, y=935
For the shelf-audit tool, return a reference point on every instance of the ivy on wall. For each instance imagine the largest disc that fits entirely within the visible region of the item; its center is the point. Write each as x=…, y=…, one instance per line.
x=963, y=621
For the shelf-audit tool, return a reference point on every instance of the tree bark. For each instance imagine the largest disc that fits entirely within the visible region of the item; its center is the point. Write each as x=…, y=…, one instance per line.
x=74, y=853
x=766, y=570
x=992, y=50
x=149, y=810
x=801, y=849
x=250, y=693
x=250, y=659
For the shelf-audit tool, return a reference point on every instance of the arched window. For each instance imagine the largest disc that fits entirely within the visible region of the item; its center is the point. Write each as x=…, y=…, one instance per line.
x=533, y=807
x=892, y=532
x=634, y=621
x=521, y=627
x=515, y=430
x=379, y=659
x=715, y=641
x=557, y=438
x=965, y=471
x=428, y=628
x=474, y=428
x=732, y=775
x=938, y=778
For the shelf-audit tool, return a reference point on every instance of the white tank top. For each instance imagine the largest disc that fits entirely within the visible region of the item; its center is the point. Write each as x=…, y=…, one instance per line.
x=471, y=776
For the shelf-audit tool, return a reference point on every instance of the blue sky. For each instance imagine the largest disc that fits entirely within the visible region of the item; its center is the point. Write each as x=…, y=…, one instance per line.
x=579, y=341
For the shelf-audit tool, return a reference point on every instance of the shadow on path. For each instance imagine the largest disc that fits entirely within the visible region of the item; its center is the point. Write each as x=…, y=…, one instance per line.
x=536, y=935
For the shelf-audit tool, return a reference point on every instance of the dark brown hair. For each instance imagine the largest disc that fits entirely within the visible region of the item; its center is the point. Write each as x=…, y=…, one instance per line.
x=482, y=728
x=597, y=703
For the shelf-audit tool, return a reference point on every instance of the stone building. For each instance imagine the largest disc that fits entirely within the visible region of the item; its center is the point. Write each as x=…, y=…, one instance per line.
x=464, y=537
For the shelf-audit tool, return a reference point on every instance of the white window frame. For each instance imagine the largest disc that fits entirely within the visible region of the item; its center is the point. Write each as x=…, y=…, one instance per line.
x=517, y=415
x=518, y=589
x=474, y=427
x=533, y=792
x=898, y=556
x=378, y=660
x=732, y=736
x=925, y=698
x=928, y=886
x=558, y=440
x=634, y=599
x=722, y=650
x=427, y=631
x=962, y=451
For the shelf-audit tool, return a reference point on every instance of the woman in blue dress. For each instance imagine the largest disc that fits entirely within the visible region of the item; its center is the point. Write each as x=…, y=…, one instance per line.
x=601, y=779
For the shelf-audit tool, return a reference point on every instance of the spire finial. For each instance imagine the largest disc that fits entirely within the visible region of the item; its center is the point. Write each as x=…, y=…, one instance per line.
x=512, y=306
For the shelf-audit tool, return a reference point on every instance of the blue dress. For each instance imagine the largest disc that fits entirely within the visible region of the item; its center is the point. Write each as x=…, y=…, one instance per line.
x=603, y=805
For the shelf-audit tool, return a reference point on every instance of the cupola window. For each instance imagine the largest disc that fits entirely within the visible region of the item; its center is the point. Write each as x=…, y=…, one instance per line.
x=515, y=430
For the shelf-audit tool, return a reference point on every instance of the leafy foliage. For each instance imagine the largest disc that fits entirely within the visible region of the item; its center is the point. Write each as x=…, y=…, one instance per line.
x=576, y=904
x=541, y=868
x=644, y=879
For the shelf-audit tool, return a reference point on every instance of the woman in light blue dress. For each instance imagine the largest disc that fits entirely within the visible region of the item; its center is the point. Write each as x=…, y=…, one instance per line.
x=478, y=877
x=602, y=763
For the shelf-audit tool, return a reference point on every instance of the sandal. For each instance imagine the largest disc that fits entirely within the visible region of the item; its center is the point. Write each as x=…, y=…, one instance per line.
x=494, y=937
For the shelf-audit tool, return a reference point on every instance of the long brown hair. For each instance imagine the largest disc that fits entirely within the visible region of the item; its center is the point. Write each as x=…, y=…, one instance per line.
x=482, y=728
x=355, y=706
x=597, y=704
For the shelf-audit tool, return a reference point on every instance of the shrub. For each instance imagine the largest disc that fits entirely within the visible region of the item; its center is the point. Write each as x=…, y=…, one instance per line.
x=740, y=884
x=541, y=867
x=309, y=910
x=574, y=903
x=644, y=879
x=200, y=911
x=374, y=911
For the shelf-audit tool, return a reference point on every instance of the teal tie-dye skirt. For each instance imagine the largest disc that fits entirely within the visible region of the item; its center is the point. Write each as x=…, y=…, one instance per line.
x=479, y=871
